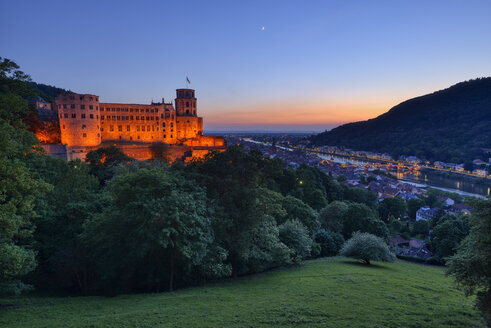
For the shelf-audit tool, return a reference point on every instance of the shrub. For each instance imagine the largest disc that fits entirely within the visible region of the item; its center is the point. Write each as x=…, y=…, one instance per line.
x=295, y=235
x=367, y=247
x=330, y=242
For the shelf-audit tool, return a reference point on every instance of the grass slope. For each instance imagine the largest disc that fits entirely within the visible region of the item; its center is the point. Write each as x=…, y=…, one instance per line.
x=333, y=292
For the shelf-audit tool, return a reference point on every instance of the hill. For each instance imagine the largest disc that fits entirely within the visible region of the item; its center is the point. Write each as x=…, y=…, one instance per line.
x=333, y=292
x=451, y=125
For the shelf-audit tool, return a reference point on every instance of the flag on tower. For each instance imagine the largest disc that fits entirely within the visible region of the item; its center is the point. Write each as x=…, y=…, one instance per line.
x=187, y=80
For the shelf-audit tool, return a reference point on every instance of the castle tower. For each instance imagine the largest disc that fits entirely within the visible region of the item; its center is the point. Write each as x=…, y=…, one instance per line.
x=186, y=102
x=79, y=119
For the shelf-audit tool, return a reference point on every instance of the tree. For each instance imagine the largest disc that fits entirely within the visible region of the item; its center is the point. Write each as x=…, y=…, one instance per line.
x=18, y=191
x=332, y=216
x=421, y=227
x=155, y=223
x=392, y=206
x=447, y=235
x=104, y=161
x=295, y=235
x=471, y=265
x=298, y=210
x=330, y=242
x=413, y=205
x=367, y=247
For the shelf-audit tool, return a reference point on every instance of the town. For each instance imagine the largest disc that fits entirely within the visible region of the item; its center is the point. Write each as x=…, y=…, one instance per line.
x=377, y=177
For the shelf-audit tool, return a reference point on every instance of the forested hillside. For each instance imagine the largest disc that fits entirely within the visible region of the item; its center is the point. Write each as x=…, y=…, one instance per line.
x=450, y=125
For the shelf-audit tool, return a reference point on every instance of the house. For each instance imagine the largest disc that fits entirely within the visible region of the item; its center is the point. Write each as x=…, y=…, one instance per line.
x=461, y=208
x=426, y=213
x=445, y=201
x=477, y=162
x=480, y=172
x=399, y=241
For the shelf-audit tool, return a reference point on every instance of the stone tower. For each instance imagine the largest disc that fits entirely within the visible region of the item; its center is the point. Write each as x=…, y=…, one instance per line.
x=79, y=119
x=185, y=102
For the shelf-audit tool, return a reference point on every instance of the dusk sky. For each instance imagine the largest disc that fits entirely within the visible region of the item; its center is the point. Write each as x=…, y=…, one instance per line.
x=315, y=65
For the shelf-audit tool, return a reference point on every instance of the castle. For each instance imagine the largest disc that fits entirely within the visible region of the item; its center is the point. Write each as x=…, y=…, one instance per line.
x=86, y=124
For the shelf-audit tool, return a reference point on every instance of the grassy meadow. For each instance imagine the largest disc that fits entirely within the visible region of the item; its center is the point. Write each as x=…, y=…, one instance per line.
x=332, y=292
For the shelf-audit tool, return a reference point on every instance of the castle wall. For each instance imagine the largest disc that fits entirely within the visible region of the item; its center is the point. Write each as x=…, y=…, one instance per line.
x=79, y=119
x=85, y=123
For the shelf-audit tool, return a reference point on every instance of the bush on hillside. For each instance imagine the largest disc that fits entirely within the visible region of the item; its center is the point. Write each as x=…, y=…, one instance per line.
x=367, y=247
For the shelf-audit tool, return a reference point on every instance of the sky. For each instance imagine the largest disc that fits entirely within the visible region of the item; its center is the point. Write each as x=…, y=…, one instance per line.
x=256, y=65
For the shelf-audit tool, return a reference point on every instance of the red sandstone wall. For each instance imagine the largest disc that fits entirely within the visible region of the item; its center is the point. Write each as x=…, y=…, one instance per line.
x=79, y=119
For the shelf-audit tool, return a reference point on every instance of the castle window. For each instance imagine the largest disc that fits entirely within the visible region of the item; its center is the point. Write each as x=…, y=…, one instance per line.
x=148, y=128
x=126, y=109
x=91, y=116
x=82, y=106
x=171, y=130
x=111, y=128
x=172, y=124
x=137, y=128
x=85, y=135
x=138, y=137
x=157, y=128
x=151, y=110
x=161, y=115
x=72, y=97
x=91, y=107
x=187, y=111
x=147, y=110
x=66, y=115
x=165, y=136
x=72, y=106
x=74, y=115
x=131, y=117
x=131, y=138
x=102, y=117
x=163, y=125
x=83, y=115
x=102, y=129
x=114, y=117
x=84, y=127
x=98, y=135
x=117, y=109
x=151, y=118
x=171, y=136
x=147, y=118
x=97, y=116
x=172, y=116
x=81, y=97
x=131, y=110
x=90, y=98
x=63, y=126
x=97, y=107
x=120, y=128
x=113, y=109
x=137, y=118
x=156, y=110
x=64, y=106
x=61, y=115
x=119, y=117
x=127, y=128
x=187, y=103
x=143, y=118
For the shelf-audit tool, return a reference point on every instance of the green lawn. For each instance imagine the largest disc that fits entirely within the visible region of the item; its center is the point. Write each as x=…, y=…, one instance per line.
x=334, y=292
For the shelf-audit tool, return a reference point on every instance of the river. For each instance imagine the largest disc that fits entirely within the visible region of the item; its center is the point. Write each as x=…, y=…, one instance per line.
x=453, y=183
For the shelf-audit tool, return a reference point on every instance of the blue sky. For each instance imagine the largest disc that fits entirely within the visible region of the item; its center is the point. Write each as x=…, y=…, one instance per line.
x=315, y=65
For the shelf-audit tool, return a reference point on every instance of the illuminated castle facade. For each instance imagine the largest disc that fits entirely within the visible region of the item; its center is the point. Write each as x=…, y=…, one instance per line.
x=86, y=122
